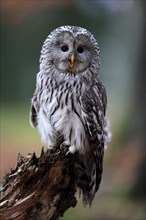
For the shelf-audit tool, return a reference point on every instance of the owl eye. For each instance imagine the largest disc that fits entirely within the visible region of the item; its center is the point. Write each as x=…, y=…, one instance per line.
x=80, y=49
x=64, y=48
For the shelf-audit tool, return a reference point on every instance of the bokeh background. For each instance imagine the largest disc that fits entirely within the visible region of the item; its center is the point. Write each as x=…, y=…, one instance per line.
x=119, y=27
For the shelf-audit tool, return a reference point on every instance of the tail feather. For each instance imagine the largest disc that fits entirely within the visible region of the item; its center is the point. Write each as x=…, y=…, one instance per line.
x=88, y=177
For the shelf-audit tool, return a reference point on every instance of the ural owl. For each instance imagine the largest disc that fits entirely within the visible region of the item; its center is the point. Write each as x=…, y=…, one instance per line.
x=70, y=101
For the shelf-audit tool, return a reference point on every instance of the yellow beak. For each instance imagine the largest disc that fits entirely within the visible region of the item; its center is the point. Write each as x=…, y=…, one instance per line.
x=72, y=60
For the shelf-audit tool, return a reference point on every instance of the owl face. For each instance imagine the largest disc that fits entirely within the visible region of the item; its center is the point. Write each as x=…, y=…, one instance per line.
x=72, y=49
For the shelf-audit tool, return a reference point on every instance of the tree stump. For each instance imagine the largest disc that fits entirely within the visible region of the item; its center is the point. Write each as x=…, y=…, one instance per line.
x=39, y=188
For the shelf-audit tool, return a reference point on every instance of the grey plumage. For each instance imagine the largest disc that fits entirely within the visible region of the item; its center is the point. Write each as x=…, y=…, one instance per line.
x=70, y=101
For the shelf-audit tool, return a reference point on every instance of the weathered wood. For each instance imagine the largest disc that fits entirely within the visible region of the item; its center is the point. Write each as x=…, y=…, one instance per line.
x=39, y=188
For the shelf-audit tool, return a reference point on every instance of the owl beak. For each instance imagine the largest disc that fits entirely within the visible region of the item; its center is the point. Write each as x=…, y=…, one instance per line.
x=72, y=60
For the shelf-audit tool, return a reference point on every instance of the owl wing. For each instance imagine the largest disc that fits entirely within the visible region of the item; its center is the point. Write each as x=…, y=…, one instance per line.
x=94, y=104
x=34, y=110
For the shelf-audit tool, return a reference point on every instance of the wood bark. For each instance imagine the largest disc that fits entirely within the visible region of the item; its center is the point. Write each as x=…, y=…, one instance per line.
x=39, y=188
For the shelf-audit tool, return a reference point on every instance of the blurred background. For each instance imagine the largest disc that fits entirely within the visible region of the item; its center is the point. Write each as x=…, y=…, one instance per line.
x=119, y=27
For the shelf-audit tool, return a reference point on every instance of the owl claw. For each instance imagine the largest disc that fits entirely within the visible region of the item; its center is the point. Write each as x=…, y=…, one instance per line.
x=52, y=146
x=66, y=147
x=71, y=150
x=68, y=152
x=54, y=149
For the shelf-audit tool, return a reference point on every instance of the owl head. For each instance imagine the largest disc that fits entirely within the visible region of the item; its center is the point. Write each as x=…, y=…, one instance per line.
x=70, y=49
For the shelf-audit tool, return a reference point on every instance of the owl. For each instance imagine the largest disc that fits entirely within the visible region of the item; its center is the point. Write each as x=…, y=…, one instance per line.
x=70, y=102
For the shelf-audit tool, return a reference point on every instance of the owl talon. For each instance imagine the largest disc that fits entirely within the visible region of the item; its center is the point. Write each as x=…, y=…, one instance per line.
x=68, y=152
x=64, y=146
x=52, y=146
x=71, y=150
x=54, y=149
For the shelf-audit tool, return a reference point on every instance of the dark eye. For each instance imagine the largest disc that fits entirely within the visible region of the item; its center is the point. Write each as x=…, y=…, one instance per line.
x=80, y=49
x=64, y=48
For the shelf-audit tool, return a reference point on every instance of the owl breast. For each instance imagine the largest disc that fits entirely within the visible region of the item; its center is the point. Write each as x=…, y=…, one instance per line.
x=61, y=114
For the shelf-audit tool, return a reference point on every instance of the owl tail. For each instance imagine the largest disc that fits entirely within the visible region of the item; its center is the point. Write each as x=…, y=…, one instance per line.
x=88, y=177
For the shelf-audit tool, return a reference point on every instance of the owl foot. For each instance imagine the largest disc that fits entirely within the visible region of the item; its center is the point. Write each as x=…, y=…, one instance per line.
x=66, y=147
x=54, y=148
x=72, y=150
